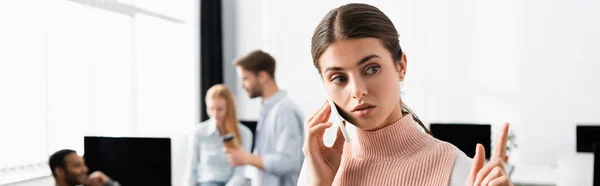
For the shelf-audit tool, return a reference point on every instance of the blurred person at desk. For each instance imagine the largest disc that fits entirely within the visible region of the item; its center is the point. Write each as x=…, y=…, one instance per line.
x=207, y=162
x=69, y=169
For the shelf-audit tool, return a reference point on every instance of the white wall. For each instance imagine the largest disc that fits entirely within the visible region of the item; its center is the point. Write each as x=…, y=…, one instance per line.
x=530, y=63
x=229, y=10
x=248, y=23
x=105, y=73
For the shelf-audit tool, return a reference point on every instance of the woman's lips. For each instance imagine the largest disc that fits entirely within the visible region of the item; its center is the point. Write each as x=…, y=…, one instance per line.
x=363, y=112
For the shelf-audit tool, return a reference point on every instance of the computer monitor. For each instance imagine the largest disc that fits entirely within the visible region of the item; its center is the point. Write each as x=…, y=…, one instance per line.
x=252, y=126
x=464, y=136
x=130, y=161
x=587, y=135
x=597, y=164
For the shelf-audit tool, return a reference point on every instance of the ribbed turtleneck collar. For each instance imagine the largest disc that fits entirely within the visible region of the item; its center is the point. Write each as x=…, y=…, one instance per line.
x=394, y=141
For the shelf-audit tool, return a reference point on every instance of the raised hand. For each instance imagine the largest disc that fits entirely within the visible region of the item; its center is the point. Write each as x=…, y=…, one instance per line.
x=493, y=173
x=97, y=178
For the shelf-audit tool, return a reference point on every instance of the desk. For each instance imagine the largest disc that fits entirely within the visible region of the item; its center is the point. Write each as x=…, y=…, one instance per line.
x=534, y=175
x=575, y=169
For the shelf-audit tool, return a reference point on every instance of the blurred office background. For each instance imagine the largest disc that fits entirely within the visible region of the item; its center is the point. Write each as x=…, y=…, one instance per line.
x=125, y=68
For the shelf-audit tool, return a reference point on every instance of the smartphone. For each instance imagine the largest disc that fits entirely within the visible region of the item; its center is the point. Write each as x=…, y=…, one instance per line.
x=229, y=142
x=335, y=117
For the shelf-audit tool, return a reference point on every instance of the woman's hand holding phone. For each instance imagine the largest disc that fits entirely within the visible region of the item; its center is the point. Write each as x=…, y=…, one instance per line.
x=323, y=162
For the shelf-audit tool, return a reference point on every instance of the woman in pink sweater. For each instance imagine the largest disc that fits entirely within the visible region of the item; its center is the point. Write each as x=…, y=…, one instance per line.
x=357, y=52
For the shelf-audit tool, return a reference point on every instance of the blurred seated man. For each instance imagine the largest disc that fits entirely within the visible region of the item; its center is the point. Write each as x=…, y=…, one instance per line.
x=69, y=169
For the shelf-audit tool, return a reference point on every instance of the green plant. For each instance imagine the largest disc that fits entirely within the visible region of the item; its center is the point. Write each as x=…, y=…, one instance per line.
x=511, y=144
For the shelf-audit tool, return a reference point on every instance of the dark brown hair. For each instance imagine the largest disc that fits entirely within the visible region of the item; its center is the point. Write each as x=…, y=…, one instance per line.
x=257, y=61
x=357, y=20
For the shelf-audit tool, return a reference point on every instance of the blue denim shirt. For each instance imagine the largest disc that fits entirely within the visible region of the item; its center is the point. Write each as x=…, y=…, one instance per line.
x=279, y=139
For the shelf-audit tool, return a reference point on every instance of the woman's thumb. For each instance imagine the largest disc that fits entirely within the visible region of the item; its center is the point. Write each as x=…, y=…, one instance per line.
x=478, y=161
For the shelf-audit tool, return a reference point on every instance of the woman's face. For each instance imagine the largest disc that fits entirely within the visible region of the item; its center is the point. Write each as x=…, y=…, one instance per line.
x=216, y=109
x=362, y=79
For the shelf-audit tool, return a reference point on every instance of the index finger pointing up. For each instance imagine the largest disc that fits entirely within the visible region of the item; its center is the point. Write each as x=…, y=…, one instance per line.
x=501, y=139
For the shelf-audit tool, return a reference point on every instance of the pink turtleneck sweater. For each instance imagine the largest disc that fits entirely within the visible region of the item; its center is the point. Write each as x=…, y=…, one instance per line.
x=400, y=154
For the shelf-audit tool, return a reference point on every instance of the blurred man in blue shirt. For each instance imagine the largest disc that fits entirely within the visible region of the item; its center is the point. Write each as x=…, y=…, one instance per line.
x=280, y=129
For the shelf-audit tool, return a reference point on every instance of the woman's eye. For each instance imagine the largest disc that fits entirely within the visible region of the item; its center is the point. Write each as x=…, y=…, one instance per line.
x=338, y=79
x=372, y=70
